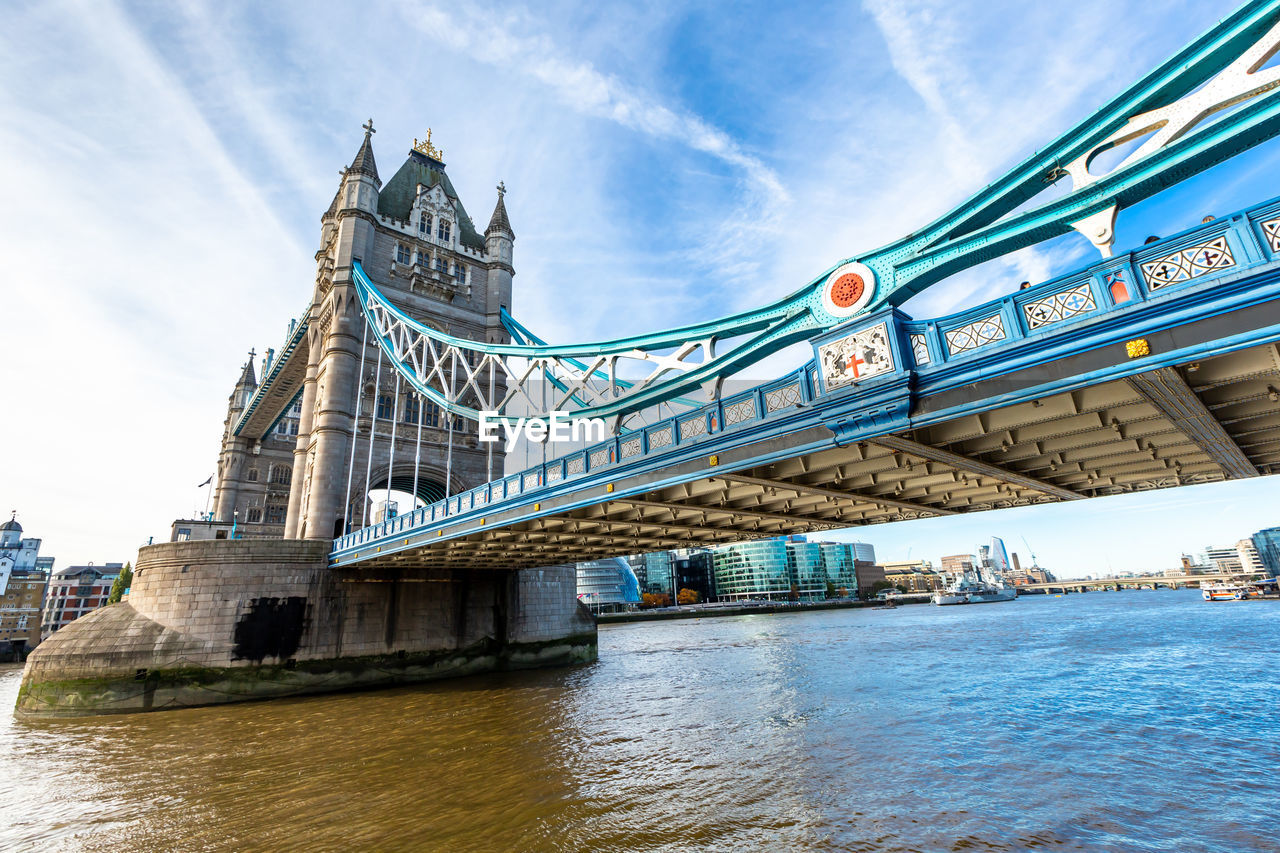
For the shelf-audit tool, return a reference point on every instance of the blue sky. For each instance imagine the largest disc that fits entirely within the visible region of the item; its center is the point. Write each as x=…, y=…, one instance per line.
x=167, y=165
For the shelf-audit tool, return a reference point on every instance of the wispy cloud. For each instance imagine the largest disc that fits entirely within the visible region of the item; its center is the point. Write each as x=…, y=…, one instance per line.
x=491, y=39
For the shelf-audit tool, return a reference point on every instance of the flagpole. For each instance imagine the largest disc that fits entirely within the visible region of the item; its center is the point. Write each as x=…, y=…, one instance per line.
x=208, y=496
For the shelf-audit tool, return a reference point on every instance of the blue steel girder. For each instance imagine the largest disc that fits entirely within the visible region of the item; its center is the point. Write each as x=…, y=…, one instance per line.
x=280, y=385
x=1178, y=306
x=1210, y=101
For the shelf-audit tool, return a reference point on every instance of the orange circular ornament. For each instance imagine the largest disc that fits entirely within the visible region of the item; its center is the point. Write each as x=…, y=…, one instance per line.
x=847, y=290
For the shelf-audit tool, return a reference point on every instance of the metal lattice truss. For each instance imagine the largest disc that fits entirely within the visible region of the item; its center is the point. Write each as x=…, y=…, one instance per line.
x=1210, y=101
x=531, y=378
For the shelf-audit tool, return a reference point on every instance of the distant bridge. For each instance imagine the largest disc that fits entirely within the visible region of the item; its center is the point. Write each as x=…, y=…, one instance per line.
x=1079, y=585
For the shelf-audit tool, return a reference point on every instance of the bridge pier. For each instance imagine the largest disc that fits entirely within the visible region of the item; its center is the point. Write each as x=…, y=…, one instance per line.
x=222, y=621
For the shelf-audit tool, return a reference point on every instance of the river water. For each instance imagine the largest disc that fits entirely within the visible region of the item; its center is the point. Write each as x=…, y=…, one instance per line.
x=1129, y=721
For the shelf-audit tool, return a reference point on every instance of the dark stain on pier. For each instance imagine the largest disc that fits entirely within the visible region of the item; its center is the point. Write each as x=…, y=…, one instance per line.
x=272, y=627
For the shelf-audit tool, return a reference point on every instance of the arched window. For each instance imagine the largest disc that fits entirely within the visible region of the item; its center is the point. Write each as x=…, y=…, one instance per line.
x=433, y=415
x=424, y=223
x=411, y=409
x=384, y=406
x=253, y=475
x=281, y=474
x=443, y=229
x=402, y=254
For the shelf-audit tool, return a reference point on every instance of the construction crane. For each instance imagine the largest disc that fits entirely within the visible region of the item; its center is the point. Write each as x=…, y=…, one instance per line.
x=1034, y=561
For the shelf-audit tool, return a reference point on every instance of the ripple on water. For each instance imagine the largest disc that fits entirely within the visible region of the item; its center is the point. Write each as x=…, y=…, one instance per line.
x=1105, y=722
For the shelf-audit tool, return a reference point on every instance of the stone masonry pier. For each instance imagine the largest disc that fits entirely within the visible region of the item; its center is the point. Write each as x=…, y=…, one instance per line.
x=230, y=620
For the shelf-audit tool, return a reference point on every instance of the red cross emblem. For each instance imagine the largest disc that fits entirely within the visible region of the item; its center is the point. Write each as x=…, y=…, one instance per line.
x=852, y=364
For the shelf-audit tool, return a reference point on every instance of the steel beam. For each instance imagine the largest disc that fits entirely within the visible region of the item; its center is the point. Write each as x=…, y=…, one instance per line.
x=790, y=518
x=839, y=494
x=1166, y=390
x=973, y=466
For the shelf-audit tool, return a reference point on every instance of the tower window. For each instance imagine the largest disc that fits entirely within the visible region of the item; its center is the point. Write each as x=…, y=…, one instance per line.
x=442, y=265
x=253, y=475
x=424, y=224
x=460, y=272
x=412, y=408
x=433, y=415
x=255, y=515
x=384, y=406
x=275, y=514
x=402, y=254
x=424, y=260
x=281, y=474
x=443, y=230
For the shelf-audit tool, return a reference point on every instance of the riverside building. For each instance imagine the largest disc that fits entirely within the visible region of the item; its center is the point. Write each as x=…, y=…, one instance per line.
x=24, y=575
x=1267, y=544
x=791, y=567
x=75, y=591
x=607, y=584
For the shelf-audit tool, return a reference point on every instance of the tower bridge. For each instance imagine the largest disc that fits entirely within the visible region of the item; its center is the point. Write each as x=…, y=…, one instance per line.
x=1154, y=367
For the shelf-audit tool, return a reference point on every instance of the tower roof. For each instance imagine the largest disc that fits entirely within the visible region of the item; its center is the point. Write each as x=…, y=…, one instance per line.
x=247, y=376
x=364, y=164
x=12, y=523
x=396, y=198
x=499, y=221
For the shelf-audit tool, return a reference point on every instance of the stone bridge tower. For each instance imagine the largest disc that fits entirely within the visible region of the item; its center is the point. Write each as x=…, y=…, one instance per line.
x=414, y=239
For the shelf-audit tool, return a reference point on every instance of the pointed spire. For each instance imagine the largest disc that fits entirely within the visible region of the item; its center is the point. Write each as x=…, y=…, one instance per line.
x=247, y=377
x=364, y=163
x=499, y=221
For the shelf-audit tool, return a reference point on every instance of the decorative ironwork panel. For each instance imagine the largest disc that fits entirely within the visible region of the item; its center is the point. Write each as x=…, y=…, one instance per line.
x=576, y=465
x=740, y=412
x=1059, y=306
x=481, y=498
x=1189, y=263
x=857, y=356
x=920, y=349
x=660, y=438
x=693, y=427
x=554, y=474
x=530, y=480
x=782, y=398
x=631, y=447
x=601, y=457
x=1272, y=232
x=513, y=486
x=979, y=333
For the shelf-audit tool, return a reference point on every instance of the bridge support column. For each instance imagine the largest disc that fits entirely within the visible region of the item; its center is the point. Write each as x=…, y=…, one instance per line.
x=293, y=520
x=219, y=621
x=334, y=427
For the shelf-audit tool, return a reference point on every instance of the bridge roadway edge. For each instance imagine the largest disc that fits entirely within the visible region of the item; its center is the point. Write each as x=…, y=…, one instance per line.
x=213, y=622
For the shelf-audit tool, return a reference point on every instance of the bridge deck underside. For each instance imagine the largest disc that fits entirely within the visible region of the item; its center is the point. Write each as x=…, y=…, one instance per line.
x=1193, y=423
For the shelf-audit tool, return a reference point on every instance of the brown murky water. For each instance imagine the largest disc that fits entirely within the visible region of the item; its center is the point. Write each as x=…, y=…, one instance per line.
x=1098, y=722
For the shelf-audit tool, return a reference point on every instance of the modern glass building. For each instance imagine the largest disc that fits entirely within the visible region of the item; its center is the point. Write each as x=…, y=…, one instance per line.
x=659, y=575
x=752, y=570
x=838, y=561
x=772, y=567
x=607, y=584
x=1268, y=544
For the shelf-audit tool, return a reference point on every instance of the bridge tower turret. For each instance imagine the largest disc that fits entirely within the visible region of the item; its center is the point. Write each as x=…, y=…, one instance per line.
x=499, y=240
x=235, y=450
x=327, y=425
